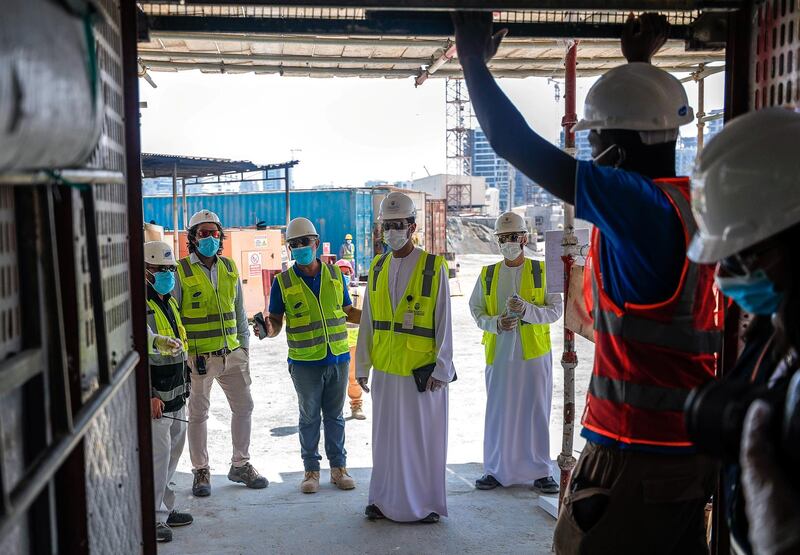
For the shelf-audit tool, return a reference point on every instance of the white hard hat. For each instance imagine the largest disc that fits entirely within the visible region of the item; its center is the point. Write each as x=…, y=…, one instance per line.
x=745, y=185
x=638, y=97
x=397, y=206
x=158, y=253
x=510, y=222
x=202, y=217
x=300, y=227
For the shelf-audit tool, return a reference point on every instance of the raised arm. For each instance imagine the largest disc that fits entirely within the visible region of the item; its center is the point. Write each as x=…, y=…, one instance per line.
x=505, y=128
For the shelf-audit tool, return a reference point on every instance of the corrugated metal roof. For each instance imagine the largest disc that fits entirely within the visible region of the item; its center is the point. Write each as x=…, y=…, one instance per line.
x=163, y=165
x=383, y=56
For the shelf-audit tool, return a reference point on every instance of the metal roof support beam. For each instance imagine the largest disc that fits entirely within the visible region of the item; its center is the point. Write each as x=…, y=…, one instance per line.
x=509, y=63
x=585, y=70
x=400, y=24
x=486, y=5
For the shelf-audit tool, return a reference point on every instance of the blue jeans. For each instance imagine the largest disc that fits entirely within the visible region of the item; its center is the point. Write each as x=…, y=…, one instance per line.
x=321, y=389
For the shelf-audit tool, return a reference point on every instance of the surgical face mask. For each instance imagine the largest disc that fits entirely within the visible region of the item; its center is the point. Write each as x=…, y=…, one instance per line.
x=348, y=241
x=755, y=293
x=620, y=156
x=304, y=255
x=346, y=280
x=163, y=282
x=396, y=238
x=208, y=246
x=511, y=251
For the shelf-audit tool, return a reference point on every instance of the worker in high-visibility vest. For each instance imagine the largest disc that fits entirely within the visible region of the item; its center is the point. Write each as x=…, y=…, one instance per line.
x=748, y=211
x=639, y=486
x=212, y=308
x=166, y=347
x=348, y=250
x=511, y=305
x=316, y=303
x=354, y=390
x=406, y=338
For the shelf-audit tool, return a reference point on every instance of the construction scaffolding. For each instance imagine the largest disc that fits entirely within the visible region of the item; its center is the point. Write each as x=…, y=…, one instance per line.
x=458, y=114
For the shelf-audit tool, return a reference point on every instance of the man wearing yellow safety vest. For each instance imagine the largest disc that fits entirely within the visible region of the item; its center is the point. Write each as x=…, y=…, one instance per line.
x=167, y=357
x=314, y=298
x=211, y=301
x=511, y=305
x=348, y=250
x=406, y=337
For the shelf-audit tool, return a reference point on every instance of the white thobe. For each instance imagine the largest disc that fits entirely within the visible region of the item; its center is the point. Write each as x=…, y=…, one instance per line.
x=409, y=428
x=516, y=440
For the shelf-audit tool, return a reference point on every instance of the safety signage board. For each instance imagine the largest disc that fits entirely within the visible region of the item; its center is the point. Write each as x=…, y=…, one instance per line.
x=254, y=262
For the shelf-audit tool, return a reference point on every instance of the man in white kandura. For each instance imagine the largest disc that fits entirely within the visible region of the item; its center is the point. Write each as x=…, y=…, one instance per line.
x=511, y=305
x=406, y=336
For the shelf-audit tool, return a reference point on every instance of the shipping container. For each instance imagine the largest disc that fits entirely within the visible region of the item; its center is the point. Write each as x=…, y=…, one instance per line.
x=334, y=212
x=436, y=226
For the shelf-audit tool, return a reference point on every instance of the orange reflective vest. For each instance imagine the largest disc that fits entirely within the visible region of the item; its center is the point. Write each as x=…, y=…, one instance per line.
x=649, y=357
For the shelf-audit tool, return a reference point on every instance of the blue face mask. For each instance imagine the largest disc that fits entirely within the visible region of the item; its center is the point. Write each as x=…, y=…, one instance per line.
x=164, y=282
x=208, y=246
x=755, y=293
x=346, y=280
x=304, y=255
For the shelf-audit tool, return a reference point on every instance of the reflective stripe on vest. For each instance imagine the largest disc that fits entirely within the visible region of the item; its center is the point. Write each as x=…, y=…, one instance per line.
x=648, y=358
x=209, y=314
x=158, y=321
x=396, y=350
x=535, y=338
x=314, y=324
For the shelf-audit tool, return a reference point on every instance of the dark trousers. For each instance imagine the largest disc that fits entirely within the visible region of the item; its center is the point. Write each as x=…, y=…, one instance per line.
x=622, y=501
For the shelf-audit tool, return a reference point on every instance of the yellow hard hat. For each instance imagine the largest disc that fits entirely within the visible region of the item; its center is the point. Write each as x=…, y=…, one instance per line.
x=348, y=236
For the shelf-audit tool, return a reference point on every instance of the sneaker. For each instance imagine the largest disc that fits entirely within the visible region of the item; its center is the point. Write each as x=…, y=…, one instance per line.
x=248, y=476
x=487, y=481
x=201, y=487
x=179, y=519
x=341, y=479
x=163, y=533
x=546, y=485
x=310, y=483
x=373, y=512
x=357, y=413
x=432, y=518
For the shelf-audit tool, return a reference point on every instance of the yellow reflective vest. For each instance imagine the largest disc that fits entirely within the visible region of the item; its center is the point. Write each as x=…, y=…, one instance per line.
x=314, y=323
x=157, y=320
x=402, y=343
x=535, y=338
x=209, y=314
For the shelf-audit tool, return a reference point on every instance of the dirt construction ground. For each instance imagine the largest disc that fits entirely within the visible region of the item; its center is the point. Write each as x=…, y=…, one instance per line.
x=235, y=520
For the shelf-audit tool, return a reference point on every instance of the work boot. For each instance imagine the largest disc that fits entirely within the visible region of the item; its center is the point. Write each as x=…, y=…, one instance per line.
x=357, y=414
x=310, y=482
x=201, y=487
x=373, y=512
x=248, y=476
x=341, y=479
x=487, y=481
x=163, y=533
x=179, y=519
x=547, y=485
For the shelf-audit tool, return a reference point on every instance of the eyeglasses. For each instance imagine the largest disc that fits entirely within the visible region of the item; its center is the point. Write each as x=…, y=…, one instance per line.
x=156, y=269
x=510, y=238
x=396, y=225
x=203, y=233
x=745, y=263
x=301, y=242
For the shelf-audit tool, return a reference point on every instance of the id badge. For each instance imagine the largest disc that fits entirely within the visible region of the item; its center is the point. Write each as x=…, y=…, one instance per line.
x=408, y=320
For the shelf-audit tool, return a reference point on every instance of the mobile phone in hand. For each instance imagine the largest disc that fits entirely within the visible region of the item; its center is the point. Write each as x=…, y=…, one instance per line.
x=261, y=325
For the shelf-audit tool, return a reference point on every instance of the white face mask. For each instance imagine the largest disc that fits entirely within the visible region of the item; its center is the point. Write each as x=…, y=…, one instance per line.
x=396, y=238
x=511, y=251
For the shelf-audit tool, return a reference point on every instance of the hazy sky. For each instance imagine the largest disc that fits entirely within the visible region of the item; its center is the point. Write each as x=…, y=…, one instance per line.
x=350, y=130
